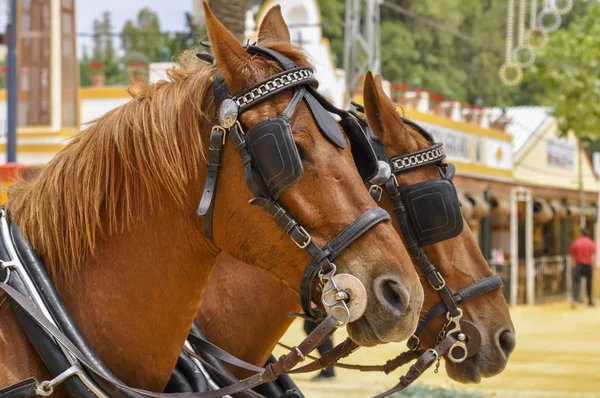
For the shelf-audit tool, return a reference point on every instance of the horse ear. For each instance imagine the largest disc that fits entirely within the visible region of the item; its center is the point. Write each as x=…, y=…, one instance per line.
x=371, y=102
x=273, y=28
x=232, y=59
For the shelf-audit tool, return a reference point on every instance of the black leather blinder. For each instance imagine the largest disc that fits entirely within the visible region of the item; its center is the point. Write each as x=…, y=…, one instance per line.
x=433, y=209
x=362, y=151
x=275, y=154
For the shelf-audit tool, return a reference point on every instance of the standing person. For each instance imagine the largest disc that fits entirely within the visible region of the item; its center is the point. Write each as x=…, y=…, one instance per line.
x=582, y=252
x=325, y=374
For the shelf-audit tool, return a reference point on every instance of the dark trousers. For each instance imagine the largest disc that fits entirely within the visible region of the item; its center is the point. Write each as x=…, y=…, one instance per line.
x=585, y=271
x=323, y=348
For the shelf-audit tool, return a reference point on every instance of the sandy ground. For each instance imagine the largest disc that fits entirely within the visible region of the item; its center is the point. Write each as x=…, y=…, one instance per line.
x=557, y=355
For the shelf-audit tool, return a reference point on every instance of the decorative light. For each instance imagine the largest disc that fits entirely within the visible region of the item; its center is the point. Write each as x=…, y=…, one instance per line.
x=537, y=38
x=523, y=56
x=511, y=74
x=565, y=8
x=551, y=26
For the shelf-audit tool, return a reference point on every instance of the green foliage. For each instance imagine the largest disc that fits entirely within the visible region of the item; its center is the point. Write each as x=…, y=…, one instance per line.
x=571, y=75
x=144, y=35
x=332, y=15
x=103, y=49
x=422, y=391
x=181, y=41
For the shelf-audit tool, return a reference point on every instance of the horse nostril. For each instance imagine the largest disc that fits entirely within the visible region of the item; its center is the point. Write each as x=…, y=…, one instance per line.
x=391, y=293
x=507, y=342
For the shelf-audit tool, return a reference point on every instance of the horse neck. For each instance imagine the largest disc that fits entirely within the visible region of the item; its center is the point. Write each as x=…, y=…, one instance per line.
x=245, y=310
x=136, y=297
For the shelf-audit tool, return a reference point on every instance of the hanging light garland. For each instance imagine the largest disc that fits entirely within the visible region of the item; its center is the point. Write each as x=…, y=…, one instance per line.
x=523, y=55
x=567, y=6
x=510, y=72
x=548, y=20
x=537, y=38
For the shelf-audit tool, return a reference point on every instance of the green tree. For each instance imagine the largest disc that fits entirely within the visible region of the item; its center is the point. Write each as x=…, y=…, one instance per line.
x=571, y=75
x=144, y=35
x=180, y=41
x=103, y=49
x=332, y=17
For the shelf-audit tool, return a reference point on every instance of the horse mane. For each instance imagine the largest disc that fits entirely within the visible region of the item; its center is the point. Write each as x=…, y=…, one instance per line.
x=141, y=153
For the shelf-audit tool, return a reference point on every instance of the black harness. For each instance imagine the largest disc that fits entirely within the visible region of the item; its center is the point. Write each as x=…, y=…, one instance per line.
x=428, y=212
x=271, y=165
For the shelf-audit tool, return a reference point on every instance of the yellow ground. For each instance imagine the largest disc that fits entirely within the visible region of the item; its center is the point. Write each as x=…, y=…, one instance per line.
x=557, y=355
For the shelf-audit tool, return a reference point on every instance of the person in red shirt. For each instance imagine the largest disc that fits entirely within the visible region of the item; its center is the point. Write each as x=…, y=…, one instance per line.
x=582, y=252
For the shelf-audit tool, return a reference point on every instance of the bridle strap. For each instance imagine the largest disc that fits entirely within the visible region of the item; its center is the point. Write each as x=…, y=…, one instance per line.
x=477, y=289
x=434, y=278
x=431, y=155
x=332, y=250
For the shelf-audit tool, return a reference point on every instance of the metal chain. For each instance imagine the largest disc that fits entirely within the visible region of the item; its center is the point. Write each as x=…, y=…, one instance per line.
x=268, y=87
x=414, y=160
x=439, y=339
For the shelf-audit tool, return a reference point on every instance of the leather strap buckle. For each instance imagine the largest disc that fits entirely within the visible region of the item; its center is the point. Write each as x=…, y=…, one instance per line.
x=441, y=280
x=413, y=343
x=376, y=192
x=305, y=235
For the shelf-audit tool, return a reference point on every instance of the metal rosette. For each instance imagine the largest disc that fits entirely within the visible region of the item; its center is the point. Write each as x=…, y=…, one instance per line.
x=543, y=18
x=511, y=73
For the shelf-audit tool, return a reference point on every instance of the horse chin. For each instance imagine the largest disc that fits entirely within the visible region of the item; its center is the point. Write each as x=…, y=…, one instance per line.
x=466, y=372
x=363, y=334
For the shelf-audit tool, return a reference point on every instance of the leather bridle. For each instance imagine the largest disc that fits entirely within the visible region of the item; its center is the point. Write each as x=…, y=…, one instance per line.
x=228, y=110
x=73, y=363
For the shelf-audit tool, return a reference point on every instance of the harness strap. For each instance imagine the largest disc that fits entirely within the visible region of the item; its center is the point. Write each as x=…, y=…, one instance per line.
x=475, y=290
x=207, y=203
x=272, y=371
x=340, y=351
x=416, y=252
x=23, y=389
x=210, y=348
x=331, y=250
x=422, y=364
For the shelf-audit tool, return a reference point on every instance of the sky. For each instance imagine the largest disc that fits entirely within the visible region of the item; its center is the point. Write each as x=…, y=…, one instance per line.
x=170, y=12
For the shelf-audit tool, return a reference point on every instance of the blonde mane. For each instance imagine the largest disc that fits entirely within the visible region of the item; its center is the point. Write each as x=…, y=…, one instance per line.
x=142, y=152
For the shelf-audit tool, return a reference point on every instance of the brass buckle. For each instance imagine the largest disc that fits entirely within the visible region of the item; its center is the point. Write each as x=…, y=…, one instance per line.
x=378, y=189
x=440, y=278
x=217, y=128
x=305, y=234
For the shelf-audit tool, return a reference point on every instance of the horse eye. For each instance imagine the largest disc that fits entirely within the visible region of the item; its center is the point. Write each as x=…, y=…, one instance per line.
x=301, y=152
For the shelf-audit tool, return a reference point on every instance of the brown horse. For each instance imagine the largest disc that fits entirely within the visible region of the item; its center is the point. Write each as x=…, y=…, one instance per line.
x=113, y=217
x=459, y=260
